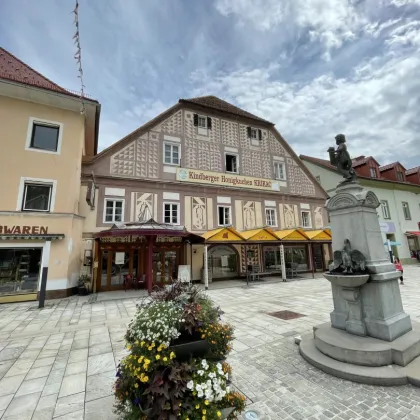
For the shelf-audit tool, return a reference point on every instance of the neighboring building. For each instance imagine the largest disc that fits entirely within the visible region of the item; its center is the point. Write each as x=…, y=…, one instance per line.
x=44, y=136
x=398, y=190
x=203, y=164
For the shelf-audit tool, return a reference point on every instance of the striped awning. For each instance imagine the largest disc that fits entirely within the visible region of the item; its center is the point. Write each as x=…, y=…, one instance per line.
x=39, y=237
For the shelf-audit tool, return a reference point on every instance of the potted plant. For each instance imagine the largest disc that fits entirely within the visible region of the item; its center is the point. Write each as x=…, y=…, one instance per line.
x=174, y=368
x=83, y=284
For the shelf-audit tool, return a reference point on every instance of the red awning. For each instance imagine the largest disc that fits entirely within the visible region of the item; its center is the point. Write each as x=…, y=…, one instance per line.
x=413, y=233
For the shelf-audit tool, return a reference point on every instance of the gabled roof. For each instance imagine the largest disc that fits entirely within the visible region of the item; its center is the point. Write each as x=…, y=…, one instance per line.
x=361, y=160
x=321, y=162
x=390, y=166
x=214, y=102
x=412, y=170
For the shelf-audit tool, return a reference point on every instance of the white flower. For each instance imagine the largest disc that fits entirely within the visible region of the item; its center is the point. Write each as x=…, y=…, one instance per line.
x=190, y=385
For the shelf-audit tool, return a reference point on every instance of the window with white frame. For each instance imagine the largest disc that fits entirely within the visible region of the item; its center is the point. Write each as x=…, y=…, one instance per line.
x=372, y=172
x=406, y=210
x=202, y=121
x=279, y=171
x=224, y=215
x=172, y=153
x=44, y=136
x=400, y=176
x=270, y=217
x=37, y=196
x=232, y=163
x=306, y=218
x=114, y=210
x=385, y=209
x=171, y=213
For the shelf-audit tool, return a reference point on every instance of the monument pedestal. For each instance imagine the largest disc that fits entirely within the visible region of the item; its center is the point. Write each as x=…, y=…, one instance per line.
x=369, y=331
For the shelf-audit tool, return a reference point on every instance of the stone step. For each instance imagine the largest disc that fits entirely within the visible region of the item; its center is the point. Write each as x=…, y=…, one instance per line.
x=367, y=351
x=383, y=375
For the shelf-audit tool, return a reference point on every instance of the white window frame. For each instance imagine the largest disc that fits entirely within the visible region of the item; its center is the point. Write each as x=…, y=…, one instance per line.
x=385, y=209
x=398, y=178
x=168, y=143
x=122, y=212
x=408, y=209
x=309, y=217
x=275, y=171
x=230, y=215
x=254, y=130
x=271, y=209
x=178, y=214
x=29, y=180
x=237, y=162
x=41, y=121
x=204, y=117
x=373, y=170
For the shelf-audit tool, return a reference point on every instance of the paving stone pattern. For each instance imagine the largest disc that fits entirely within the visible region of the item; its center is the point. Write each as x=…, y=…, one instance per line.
x=59, y=362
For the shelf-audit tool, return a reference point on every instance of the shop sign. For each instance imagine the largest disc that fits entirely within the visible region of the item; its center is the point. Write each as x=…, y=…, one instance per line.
x=23, y=230
x=123, y=239
x=227, y=180
x=169, y=239
x=387, y=227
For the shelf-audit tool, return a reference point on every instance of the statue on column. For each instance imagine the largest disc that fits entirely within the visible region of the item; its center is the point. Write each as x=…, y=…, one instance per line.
x=340, y=158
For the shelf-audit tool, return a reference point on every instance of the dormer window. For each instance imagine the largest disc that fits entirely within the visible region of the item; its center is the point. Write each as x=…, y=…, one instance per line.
x=373, y=172
x=400, y=176
x=254, y=133
x=203, y=123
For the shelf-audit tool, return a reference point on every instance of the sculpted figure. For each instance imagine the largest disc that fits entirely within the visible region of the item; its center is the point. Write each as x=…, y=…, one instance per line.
x=340, y=158
x=349, y=260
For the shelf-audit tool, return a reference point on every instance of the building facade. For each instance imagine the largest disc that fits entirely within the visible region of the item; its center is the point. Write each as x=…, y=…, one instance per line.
x=399, y=194
x=44, y=136
x=203, y=164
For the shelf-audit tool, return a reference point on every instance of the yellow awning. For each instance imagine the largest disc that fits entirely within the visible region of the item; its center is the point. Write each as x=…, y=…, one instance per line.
x=328, y=230
x=261, y=234
x=318, y=235
x=224, y=234
x=291, y=235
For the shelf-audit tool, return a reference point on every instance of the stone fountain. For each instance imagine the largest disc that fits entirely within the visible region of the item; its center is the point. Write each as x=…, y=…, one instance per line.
x=370, y=338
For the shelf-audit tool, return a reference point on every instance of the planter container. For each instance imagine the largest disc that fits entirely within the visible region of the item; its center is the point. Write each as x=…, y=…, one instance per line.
x=226, y=412
x=187, y=346
x=83, y=291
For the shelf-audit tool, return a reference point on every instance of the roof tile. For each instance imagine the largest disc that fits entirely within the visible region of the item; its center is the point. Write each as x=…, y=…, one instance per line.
x=412, y=170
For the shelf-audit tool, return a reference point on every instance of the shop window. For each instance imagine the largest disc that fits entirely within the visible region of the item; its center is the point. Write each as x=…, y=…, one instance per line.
x=232, y=163
x=114, y=210
x=224, y=215
x=270, y=217
x=44, y=136
x=385, y=209
x=279, y=172
x=172, y=154
x=171, y=213
x=37, y=197
x=19, y=270
x=306, y=219
x=406, y=210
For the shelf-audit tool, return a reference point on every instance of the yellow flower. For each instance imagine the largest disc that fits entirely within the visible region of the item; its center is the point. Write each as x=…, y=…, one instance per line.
x=129, y=347
x=136, y=385
x=157, y=357
x=172, y=355
x=219, y=414
x=180, y=404
x=149, y=348
x=153, y=345
x=203, y=418
x=165, y=359
x=204, y=411
x=146, y=378
x=142, y=344
x=206, y=402
x=203, y=335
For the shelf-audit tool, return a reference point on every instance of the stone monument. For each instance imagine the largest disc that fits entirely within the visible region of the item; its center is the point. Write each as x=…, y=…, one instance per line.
x=370, y=338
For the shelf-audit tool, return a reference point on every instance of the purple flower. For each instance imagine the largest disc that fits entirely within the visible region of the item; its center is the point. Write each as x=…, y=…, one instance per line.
x=137, y=401
x=118, y=373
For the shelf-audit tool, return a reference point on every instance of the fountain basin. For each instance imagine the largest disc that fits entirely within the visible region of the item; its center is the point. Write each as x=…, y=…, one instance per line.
x=349, y=280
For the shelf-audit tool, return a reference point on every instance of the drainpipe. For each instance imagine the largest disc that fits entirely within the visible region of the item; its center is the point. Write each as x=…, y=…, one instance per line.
x=206, y=271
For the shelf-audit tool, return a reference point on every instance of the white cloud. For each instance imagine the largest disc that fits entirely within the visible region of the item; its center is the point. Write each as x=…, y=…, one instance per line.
x=407, y=34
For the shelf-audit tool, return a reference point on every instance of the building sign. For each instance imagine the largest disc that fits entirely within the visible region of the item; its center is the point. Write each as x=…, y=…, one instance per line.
x=387, y=227
x=24, y=230
x=169, y=239
x=226, y=180
x=138, y=238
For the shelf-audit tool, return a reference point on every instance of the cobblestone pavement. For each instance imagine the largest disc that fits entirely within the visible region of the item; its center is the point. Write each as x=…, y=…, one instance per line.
x=60, y=362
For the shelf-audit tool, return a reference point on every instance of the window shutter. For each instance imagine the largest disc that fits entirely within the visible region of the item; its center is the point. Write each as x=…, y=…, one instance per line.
x=259, y=134
x=248, y=129
x=209, y=123
x=196, y=120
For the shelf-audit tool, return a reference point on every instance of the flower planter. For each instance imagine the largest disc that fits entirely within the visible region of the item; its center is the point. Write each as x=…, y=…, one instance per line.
x=189, y=346
x=226, y=412
x=83, y=291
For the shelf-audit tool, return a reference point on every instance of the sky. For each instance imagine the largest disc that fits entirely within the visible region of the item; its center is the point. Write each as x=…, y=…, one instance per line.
x=314, y=68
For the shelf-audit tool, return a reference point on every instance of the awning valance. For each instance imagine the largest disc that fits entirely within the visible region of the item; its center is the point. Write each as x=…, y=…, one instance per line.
x=412, y=233
x=260, y=235
x=223, y=234
x=318, y=235
x=291, y=235
x=39, y=237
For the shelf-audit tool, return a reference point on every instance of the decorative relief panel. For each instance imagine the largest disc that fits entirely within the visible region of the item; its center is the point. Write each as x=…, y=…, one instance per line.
x=173, y=125
x=244, y=140
x=199, y=213
x=189, y=129
x=204, y=159
x=142, y=206
x=246, y=163
x=230, y=135
x=153, y=162
x=249, y=215
x=275, y=146
x=214, y=133
x=290, y=221
x=215, y=158
x=190, y=153
x=245, y=260
x=256, y=164
x=299, y=182
x=266, y=166
x=319, y=222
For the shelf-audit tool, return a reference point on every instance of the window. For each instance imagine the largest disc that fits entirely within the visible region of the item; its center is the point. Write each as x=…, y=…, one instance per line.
x=114, y=211
x=254, y=133
x=306, y=219
x=400, y=176
x=44, y=136
x=385, y=209
x=224, y=215
x=279, y=172
x=172, y=154
x=171, y=213
x=372, y=172
x=37, y=197
x=406, y=210
x=270, y=217
x=232, y=163
x=202, y=121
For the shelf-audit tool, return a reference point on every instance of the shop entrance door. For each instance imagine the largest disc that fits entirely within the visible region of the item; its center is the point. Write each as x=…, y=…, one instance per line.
x=165, y=266
x=318, y=259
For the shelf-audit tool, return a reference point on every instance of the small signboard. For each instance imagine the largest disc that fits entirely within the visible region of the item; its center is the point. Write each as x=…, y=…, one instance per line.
x=119, y=258
x=184, y=273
